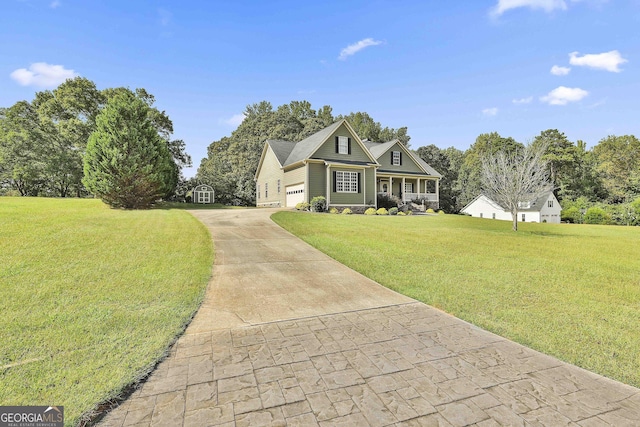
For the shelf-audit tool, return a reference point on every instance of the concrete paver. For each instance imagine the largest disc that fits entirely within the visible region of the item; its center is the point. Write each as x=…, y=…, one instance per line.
x=287, y=336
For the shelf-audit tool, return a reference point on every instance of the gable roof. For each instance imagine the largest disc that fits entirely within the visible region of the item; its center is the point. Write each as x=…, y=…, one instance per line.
x=304, y=149
x=379, y=149
x=282, y=149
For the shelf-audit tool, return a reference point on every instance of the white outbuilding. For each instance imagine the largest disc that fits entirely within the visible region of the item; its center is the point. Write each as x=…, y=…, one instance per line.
x=202, y=193
x=543, y=209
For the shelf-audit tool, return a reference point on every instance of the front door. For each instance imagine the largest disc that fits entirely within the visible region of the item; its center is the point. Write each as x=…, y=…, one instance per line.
x=384, y=186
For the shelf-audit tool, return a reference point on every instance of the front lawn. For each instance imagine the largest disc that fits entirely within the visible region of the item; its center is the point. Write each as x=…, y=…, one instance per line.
x=571, y=291
x=90, y=297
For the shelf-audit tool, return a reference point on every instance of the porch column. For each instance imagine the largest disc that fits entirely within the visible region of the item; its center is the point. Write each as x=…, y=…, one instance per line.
x=404, y=190
x=391, y=186
x=437, y=193
x=418, y=190
x=328, y=186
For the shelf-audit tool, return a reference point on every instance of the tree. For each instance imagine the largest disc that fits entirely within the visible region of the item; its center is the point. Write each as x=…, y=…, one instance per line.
x=446, y=162
x=127, y=163
x=367, y=128
x=516, y=177
x=618, y=163
x=469, y=182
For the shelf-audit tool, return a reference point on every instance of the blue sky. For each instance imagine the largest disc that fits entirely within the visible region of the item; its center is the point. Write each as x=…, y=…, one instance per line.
x=449, y=70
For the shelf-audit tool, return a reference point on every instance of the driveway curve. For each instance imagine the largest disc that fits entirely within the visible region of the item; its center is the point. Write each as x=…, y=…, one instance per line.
x=288, y=336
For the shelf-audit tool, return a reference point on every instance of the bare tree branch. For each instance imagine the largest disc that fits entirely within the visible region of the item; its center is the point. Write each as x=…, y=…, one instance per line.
x=516, y=178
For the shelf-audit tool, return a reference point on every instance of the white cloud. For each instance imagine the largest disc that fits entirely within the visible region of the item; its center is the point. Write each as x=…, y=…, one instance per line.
x=490, y=112
x=560, y=71
x=234, y=120
x=55, y=4
x=563, y=95
x=609, y=61
x=356, y=47
x=42, y=74
x=523, y=100
x=546, y=5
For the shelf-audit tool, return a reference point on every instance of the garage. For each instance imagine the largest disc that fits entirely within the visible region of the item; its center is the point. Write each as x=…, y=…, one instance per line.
x=295, y=194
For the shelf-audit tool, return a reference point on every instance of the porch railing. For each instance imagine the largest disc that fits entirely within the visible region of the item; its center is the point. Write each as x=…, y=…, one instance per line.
x=407, y=197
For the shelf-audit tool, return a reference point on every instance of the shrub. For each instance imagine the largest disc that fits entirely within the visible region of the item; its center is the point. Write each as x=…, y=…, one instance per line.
x=571, y=214
x=409, y=212
x=388, y=201
x=393, y=211
x=596, y=215
x=430, y=210
x=382, y=211
x=441, y=212
x=370, y=211
x=333, y=211
x=346, y=211
x=318, y=204
x=302, y=206
x=402, y=213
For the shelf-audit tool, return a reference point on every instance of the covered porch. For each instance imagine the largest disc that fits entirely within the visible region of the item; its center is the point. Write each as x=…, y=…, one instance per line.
x=409, y=188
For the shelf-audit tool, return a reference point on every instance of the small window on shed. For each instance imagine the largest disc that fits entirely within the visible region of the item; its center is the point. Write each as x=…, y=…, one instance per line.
x=550, y=203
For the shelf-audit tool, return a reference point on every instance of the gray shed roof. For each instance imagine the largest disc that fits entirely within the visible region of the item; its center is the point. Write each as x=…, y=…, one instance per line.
x=537, y=204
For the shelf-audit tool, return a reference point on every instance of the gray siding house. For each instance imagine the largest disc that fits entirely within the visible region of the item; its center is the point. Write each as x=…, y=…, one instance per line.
x=347, y=171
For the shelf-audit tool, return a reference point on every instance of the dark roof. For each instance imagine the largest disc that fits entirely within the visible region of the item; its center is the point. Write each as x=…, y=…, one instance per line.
x=305, y=148
x=537, y=204
x=282, y=149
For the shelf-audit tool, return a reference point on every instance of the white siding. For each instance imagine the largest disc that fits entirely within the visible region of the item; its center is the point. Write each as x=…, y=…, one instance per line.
x=482, y=207
x=551, y=214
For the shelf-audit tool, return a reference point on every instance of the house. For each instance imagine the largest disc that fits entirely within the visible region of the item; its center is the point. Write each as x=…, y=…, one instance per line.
x=202, y=193
x=337, y=164
x=543, y=209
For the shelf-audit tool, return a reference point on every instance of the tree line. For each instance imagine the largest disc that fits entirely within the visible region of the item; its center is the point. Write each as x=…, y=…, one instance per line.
x=45, y=150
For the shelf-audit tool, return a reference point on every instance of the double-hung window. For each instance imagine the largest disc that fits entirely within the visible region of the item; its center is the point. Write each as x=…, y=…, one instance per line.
x=343, y=145
x=395, y=158
x=346, y=182
x=266, y=190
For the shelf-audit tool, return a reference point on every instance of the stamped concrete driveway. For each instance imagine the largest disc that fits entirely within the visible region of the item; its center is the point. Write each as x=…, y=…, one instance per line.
x=288, y=336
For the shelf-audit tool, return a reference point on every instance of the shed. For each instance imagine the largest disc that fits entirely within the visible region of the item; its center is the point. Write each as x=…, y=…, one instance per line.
x=202, y=193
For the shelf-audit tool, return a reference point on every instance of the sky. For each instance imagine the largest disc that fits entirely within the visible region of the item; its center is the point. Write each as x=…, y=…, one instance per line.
x=448, y=70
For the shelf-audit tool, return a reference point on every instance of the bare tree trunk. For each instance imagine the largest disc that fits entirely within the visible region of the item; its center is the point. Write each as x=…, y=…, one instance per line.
x=514, y=214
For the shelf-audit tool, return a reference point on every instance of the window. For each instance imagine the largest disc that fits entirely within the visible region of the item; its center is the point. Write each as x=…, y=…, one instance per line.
x=346, y=182
x=396, y=158
x=550, y=203
x=408, y=187
x=278, y=186
x=343, y=145
x=523, y=216
x=481, y=215
x=266, y=190
x=493, y=215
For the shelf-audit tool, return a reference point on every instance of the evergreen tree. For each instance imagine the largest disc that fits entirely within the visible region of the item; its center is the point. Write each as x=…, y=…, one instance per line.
x=127, y=163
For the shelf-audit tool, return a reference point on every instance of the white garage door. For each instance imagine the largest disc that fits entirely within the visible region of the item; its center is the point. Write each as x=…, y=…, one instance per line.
x=295, y=195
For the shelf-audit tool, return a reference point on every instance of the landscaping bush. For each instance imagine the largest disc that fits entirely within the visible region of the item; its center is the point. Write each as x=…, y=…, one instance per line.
x=346, y=211
x=409, y=212
x=370, y=211
x=382, y=211
x=388, y=201
x=333, y=211
x=302, y=206
x=393, y=211
x=402, y=213
x=318, y=204
x=430, y=210
x=596, y=215
x=441, y=212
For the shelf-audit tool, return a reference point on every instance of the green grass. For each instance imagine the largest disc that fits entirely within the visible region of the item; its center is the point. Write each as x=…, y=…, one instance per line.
x=90, y=297
x=571, y=291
